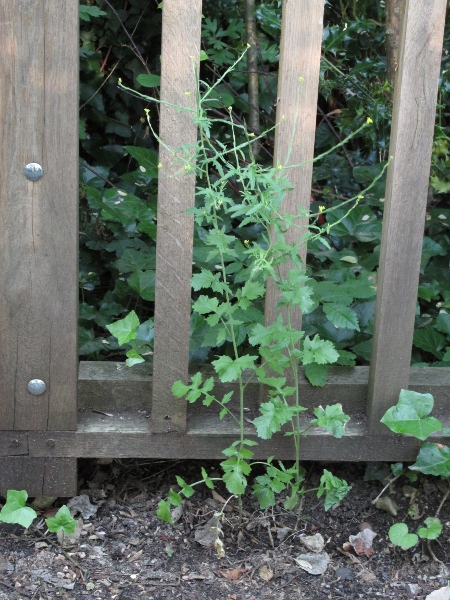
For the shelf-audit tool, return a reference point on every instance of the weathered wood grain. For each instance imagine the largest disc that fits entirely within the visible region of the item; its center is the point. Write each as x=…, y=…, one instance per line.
x=38, y=221
x=176, y=191
x=127, y=435
x=39, y=476
x=298, y=80
x=105, y=387
x=406, y=196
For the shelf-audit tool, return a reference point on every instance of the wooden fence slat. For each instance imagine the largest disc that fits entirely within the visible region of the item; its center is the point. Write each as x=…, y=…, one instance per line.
x=298, y=81
x=406, y=195
x=176, y=193
x=39, y=476
x=38, y=220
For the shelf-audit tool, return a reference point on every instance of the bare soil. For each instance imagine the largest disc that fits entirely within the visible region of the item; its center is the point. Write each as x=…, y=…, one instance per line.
x=125, y=552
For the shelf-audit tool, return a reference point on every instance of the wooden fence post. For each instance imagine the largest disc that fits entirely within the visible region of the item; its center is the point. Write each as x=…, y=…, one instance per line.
x=38, y=227
x=406, y=195
x=176, y=193
x=298, y=81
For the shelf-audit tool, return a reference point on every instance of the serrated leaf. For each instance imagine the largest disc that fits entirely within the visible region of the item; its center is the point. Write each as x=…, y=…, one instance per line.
x=62, y=521
x=430, y=340
x=15, y=511
x=399, y=535
x=205, y=305
x=335, y=489
x=433, y=459
x=235, y=475
x=230, y=370
x=341, y=316
x=318, y=351
x=409, y=415
x=317, y=375
x=332, y=418
x=125, y=329
x=180, y=389
x=275, y=414
x=163, y=512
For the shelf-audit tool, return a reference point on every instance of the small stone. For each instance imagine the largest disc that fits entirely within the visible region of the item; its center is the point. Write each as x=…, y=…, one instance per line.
x=413, y=589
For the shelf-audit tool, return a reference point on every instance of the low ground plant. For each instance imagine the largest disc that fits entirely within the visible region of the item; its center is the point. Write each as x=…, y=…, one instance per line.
x=411, y=416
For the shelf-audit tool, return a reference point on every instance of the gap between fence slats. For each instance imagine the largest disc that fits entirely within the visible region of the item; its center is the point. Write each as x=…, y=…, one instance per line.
x=38, y=221
x=176, y=193
x=298, y=81
x=406, y=195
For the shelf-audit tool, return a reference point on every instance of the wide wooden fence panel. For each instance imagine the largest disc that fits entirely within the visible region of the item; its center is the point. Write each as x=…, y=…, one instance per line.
x=109, y=411
x=38, y=223
x=405, y=204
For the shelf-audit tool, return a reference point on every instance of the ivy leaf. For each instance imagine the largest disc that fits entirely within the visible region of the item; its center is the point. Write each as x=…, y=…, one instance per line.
x=61, y=521
x=433, y=459
x=125, y=329
x=317, y=375
x=409, y=415
x=15, y=511
x=318, y=351
x=432, y=530
x=143, y=282
x=133, y=358
x=430, y=340
x=341, y=316
x=332, y=418
x=275, y=414
x=230, y=370
x=399, y=535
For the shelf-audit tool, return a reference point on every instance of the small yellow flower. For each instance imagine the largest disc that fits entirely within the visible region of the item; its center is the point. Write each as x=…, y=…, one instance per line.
x=246, y=243
x=321, y=208
x=279, y=167
x=369, y=121
x=187, y=93
x=251, y=135
x=301, y=80
x=159, y=165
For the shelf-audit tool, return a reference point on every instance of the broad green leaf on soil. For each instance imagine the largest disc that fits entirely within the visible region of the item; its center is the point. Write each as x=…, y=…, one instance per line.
x=317, y=375
x=409, y=415
x=15, y=511
x=399, y=535
x=335, y=489
x=341, y=316
x=433, y=459
x=318, y=351
x=125, y=329
x=332, y=418
x=275, y=414
x=163, y=512
x=61, y=521
x=432, y=530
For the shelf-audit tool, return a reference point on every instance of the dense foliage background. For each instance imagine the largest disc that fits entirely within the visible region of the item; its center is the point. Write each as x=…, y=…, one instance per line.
x=121, y=39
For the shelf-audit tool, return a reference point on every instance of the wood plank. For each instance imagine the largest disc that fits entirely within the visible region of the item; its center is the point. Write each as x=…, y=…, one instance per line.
x=14, y=443
x=298, y=81
x=38, y=220
x=39, y=476
x=102, y=386
x=180, y=54
x=127, y=436
x=406, y=196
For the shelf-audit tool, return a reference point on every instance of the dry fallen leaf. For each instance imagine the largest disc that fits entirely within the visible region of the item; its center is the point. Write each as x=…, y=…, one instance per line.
x=315, y=542
x=207, y=534
x=314, y=564
x=265, y=573
x=362, y=542
x=440, y=594
x=233, y=574
x=387, y=504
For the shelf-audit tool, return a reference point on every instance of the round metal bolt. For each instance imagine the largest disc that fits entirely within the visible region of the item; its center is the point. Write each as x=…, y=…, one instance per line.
x=33, y=171
x=36, y=387
x=51, y=443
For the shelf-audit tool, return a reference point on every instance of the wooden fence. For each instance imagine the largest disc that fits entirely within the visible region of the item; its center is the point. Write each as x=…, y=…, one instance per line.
x=95, y=409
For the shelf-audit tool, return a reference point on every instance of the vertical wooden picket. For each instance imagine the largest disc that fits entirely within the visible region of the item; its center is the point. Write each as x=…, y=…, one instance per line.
x=176, y=192
x=406, y=195
x=38, y=219
x=298, y=81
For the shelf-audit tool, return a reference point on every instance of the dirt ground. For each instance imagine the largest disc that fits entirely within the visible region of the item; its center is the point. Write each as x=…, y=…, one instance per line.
x=124, y=552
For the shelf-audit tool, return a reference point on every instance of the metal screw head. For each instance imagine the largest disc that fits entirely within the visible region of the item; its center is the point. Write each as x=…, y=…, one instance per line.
x=36, y=387
x=33, y=171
